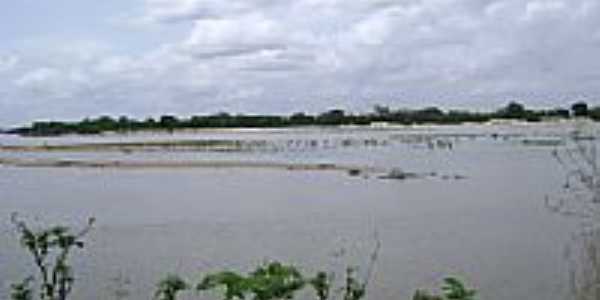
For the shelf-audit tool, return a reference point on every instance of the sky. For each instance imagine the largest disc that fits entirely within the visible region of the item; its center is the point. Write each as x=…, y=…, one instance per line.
x=70, y=59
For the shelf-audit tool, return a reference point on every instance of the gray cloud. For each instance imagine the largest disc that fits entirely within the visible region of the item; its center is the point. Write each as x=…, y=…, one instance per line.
x=274, y=56
x=8, y=62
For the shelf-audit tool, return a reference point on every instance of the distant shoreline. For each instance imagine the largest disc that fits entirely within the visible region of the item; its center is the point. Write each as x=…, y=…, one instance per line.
x=381, y=116
x=378, y=126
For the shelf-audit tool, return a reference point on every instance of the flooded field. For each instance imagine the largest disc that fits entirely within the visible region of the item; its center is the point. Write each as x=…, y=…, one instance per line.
x=484, y=203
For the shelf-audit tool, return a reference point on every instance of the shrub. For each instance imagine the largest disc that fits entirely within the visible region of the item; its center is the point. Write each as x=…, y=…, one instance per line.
x=50, y=250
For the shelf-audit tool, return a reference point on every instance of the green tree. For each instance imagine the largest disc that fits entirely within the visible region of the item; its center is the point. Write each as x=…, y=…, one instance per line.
x=579, y=109
x=168, y=122
x=594, y=113
x=381, y=110
x=513, y=110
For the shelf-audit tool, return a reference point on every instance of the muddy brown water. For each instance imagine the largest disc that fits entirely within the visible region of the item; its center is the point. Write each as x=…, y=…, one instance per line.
x=490, y=228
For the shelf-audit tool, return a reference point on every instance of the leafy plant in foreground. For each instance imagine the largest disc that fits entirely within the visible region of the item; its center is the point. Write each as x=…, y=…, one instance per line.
x=278, y=281
x=354, y=289
x=275, y=280
x=453, y=289
x=271, y=281
x=322, y=285
x=22, y=290
x=169, y=287
x=50, y=249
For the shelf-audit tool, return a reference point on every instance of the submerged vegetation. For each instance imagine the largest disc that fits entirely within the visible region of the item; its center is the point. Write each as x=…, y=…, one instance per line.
x=50, y=250
x=334, y=117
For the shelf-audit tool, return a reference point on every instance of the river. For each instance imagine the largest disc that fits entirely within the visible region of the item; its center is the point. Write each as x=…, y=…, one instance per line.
x=478, y=212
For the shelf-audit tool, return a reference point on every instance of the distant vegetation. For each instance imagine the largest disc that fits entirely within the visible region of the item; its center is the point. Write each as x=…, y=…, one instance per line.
x=334, y=117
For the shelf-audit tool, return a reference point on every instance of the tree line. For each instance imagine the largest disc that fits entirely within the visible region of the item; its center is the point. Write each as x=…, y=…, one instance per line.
x=333, y=117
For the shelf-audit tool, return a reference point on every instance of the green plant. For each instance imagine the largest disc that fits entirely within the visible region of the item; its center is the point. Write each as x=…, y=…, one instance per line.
x=453, y=289
x=354, y=289
x=322, y=285
x=22, y=290
x=275, y=280
x=271, y=281
x=50, y=249
x=278, y=281
x=236, y=286
x=424, y=295
x=169, y=287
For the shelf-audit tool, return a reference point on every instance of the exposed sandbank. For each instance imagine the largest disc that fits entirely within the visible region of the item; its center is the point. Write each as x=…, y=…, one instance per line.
x=161, y=164
x=183, y=145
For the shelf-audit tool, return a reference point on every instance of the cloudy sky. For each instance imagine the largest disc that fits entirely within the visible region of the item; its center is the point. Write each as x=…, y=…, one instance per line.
x=67, y=59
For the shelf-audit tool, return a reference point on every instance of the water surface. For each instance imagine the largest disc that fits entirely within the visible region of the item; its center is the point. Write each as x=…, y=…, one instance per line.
x=491, y=228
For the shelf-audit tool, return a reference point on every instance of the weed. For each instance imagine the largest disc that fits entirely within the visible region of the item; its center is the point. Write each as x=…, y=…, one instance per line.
x=50, y=249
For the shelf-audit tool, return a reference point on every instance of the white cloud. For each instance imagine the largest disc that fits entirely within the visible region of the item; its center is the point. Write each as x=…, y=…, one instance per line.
x=38, y=77
x=537, y=8
x=51, y=84
x=231, y=37
x=184, y=10
x=267, y=55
